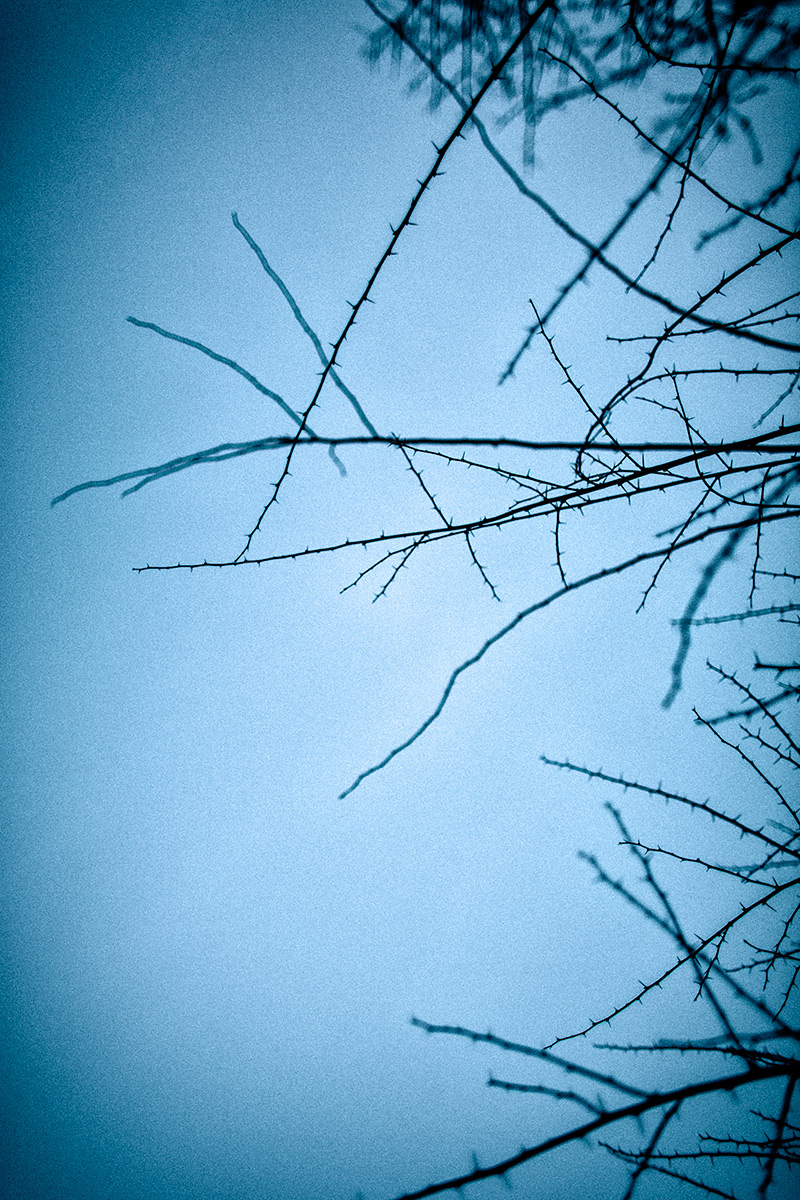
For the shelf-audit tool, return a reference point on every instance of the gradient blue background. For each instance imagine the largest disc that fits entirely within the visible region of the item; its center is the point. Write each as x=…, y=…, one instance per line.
x=211, y=961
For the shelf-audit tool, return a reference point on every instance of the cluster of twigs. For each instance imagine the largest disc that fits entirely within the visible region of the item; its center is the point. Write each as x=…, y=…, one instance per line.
x=733, y=488
x=739, y=492
x=744, y=968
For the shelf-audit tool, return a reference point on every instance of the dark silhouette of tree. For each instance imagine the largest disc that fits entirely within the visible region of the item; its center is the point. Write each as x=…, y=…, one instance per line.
x=703, y=72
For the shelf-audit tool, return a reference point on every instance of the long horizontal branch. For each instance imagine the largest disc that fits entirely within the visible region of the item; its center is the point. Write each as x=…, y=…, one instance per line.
x=727, y=1083
x=757, y=444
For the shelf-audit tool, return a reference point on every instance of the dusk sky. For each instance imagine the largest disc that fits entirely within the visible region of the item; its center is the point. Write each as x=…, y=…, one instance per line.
x=211, y=959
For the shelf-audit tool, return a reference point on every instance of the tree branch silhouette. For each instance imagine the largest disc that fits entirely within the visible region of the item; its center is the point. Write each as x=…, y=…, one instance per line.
x=706, y=71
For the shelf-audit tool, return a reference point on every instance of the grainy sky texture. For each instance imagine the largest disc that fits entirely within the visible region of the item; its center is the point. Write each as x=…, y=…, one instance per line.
x=211, y=960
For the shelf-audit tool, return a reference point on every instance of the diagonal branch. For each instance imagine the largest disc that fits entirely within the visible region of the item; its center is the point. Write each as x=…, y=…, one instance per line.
x=435, y=170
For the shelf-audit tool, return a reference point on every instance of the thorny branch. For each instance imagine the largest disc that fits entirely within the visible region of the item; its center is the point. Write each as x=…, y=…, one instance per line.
x=703, y=69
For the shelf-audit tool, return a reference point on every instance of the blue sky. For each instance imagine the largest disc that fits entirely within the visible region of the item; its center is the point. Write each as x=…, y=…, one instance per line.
x=212, y=960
